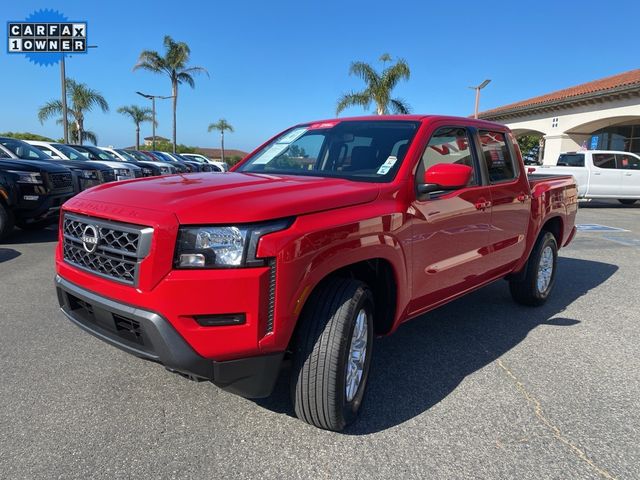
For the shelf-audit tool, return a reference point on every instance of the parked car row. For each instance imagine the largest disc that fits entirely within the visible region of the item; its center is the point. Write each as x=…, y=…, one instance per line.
x=37, y=177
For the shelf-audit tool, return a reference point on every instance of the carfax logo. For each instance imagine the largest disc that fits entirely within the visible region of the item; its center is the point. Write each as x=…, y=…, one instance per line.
x=45, y=36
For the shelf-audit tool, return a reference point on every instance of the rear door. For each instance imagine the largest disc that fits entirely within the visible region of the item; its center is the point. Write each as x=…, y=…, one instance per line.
x=510, y=198
x=630, y=166
x=606, y=178
x=450, y=229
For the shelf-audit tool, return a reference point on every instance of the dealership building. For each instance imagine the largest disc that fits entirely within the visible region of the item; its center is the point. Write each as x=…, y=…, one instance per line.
x=603, y=115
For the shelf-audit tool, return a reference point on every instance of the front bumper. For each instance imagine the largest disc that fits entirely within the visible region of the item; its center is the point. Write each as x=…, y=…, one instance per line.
x=149, y=335
x=45, y=205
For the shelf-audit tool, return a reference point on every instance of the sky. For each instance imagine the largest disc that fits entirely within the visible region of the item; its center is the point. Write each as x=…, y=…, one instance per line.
x=273, y=64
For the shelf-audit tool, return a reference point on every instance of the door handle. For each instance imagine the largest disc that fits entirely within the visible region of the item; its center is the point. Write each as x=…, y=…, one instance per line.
x=596, y=173
x=627, y=174
x=482, y=204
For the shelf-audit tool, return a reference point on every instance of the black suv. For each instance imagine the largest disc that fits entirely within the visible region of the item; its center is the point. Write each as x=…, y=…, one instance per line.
x=31, y=193
x=85, y=174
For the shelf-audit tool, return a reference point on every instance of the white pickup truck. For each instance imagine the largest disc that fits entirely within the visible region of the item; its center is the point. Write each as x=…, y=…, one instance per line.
x=600, y=173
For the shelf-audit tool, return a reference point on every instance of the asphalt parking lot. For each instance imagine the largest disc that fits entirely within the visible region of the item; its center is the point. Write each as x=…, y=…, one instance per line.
x=481, y=388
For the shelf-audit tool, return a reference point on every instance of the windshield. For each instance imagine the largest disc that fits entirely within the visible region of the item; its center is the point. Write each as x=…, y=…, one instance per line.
x=126, y=155
x=571, y=160
x=369, y=151
x=138, y=156
x=94, y=153
x=23, y=150
x=70, y=153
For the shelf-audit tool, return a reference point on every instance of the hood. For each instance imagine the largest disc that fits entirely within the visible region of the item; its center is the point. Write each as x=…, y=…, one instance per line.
x=77, y=165
x=32, y=165
x=232, y=197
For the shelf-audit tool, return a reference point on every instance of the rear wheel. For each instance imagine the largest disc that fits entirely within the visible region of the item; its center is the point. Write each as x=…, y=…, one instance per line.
x=535, y=287
x=627, y=201
x=6, y=221
x=333, y=354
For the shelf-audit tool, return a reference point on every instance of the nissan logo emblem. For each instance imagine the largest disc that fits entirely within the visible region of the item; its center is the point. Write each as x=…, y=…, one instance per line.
x=90, y=238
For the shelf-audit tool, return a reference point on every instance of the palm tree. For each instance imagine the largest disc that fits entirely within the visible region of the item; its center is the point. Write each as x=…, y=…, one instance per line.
x=138, y=115
x=174, y=65
x=221, y=125
x=379, y=87
x=80, y=100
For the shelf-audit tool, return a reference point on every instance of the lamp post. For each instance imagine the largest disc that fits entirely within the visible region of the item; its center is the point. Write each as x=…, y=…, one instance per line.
x=153, y=110
x=477, y=89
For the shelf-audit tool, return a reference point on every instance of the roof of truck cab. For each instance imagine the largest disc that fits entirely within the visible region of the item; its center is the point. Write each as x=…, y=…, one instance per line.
x=410, y=118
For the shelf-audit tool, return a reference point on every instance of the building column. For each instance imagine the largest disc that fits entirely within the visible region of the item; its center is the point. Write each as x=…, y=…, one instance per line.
x=556, y=144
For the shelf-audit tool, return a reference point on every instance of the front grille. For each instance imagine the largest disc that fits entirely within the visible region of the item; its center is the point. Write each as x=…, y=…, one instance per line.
x=116, y=252
x=60, y=180
x=137, y=173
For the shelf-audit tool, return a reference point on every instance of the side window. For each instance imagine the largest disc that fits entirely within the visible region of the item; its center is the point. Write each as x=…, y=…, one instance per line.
x=496, y=155
x=628, y=162
x=448, y=145
x=604, y=160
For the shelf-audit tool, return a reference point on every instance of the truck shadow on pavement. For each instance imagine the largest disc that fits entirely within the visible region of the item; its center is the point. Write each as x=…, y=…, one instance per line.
x=45, y=235
x=427, y=358
x=7, y=254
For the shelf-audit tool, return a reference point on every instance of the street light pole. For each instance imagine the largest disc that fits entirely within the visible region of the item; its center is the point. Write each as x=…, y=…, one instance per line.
x=153, y=114
x=477, y=89
x=63, y=79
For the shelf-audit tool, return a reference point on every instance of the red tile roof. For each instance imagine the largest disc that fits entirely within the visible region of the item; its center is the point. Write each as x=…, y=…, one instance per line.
x=603, y=85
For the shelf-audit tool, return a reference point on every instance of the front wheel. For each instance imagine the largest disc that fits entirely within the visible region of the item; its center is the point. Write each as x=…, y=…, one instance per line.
x=6, y=221
x=535, y=287
x=627, y=201
x=333, y=354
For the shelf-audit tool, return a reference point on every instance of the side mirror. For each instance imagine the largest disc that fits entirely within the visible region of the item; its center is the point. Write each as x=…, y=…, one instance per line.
x=445, y=176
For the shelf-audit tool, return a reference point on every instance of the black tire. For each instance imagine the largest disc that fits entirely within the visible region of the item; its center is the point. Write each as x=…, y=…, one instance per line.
x=627, y=201
x=527, y=291
x=6, y=221
x=323, y=341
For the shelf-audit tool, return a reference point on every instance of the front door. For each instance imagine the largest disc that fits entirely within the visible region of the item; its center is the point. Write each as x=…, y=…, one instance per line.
x=630, y=166
x=450, y=229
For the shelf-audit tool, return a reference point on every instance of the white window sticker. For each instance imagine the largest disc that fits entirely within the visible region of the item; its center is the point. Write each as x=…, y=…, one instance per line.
x=391, y=161
x=292, y=136
x=270, y=153
x=384, y=169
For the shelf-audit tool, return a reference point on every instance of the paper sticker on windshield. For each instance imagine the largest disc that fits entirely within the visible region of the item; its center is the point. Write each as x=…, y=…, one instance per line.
x=391, y=161
x=292, y=136
x=383, y=170
x=270, y=153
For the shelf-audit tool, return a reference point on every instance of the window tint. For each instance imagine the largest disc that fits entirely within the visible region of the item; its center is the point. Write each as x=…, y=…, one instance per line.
x=447, y=145
x=571, y=160
x=604, y=160
x=496, y=156
x=628, y=162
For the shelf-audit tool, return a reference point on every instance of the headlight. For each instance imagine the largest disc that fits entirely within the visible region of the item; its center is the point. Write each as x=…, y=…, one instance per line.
x=89, y=174
x=223, y=246
x=33, y=178
x=147, y=172
x=122, y=172
x=164, y=171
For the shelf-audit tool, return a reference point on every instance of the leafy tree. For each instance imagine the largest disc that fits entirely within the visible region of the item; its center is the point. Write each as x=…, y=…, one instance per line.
x=234, y=159
x=138, y=115
x=80, y=100
x=174, y=64
x=26, y=136
x=221, y=125
x=527, y=143
x=168, y=147
x=379, y=87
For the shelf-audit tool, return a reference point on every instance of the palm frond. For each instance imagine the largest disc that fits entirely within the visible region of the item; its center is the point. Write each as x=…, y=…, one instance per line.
x=184, y=77
x=365, y=72
x=353, y=99
x=393, y=74
x=49, y=109
x=399, y=106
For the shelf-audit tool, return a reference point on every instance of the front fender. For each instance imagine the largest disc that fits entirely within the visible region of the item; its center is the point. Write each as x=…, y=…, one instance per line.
x=312, y=252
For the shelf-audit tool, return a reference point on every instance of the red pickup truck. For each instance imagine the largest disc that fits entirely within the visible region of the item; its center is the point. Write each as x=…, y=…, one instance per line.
x=329, y=233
